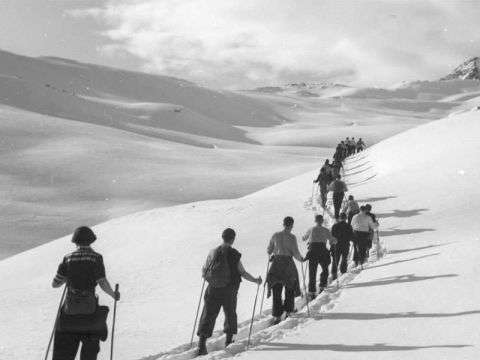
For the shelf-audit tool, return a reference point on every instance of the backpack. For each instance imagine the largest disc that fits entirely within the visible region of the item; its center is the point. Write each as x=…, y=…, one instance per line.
x=80, y=302
x=218, y=272
x=338, y=186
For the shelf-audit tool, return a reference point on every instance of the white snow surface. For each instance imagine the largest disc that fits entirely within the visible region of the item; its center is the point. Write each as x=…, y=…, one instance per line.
x=420, y=302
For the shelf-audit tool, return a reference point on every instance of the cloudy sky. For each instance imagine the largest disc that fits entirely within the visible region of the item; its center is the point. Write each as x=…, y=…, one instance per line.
x=246, y=43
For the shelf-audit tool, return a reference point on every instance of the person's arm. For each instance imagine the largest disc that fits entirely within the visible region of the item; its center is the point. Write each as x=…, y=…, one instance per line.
x=247, y=276
x=61, y=275
x=345, y=188
x=105, y=286
x=296, y=252
x=271, y=245
x=208, y=261
x=307, y=235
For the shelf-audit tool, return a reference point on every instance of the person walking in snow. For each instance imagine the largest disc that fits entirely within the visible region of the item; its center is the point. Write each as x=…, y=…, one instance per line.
x=336, y=167
x=338, y=187
x=368, y=210
x=81, y=271
x=343, y=232
x=360, y=145
x=362, y=224
x=318, y=254
x=283, y=274
x=327, y=167
x=223, y=270
x=323, y=181
x=351, y=208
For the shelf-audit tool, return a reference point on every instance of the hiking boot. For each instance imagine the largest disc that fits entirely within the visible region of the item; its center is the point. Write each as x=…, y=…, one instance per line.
x=334, y=277
x=228, y=339
x=202, y=346
x=322, y=289
x=290, y=313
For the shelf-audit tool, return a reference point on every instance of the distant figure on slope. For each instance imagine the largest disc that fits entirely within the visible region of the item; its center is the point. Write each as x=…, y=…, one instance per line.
x=318, y=254
x=360, y=145
x=351, y=208
x=338, y=187
x=81, y=270
x=343, y=232
x=362, y=224
x=323, y=180
x=352, y=145
x=336, y=167
x=368, y=210
x=223, y=271
x=328, y=170
x=283, y=272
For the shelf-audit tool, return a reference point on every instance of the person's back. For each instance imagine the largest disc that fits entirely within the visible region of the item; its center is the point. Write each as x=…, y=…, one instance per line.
x=342, y=231
x=338, y=186
x=284, y=244
x=363, y=223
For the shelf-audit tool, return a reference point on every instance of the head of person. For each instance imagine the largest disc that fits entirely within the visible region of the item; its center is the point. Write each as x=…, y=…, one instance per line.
x=327, y=162
x=368, y=208
x=319, y=219
x=362, y=209
x=83, y=236
x=350, y=197
x=288, y=223
x=228, y=236
x=338, y=177
x=343, y=217
x=323, y=170
x=348, y=138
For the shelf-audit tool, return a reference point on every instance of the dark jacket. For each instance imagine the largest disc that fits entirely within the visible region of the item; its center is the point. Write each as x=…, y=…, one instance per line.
x=343, y=232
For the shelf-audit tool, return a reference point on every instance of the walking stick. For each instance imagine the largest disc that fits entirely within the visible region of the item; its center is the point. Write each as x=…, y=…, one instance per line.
x=113, y=321
x=56, y=322
x=264, y=286
x=196, y=315
x=305, y=290
x=253, y=315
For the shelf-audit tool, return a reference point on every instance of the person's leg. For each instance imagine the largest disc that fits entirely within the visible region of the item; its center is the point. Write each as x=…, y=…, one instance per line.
x=344, y=250
x=230, y=311
x=211, y=308
x=362, y=245
x=336, y=205
x=324, y=275
x=277, y=306
x=356, y=249
x=65, y=346
x=312, y=276
x=289, y=305
x=336, y=259
x=90, y=348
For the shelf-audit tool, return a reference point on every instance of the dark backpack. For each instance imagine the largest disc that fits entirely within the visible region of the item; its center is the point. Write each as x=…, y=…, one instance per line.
x=338, y=186
x=218, y=272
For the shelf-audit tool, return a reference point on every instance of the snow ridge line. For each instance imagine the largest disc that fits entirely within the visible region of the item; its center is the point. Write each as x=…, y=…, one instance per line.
x=262, y=329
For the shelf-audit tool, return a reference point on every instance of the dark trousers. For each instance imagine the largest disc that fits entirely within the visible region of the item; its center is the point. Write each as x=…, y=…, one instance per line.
x=214, y=299
x=323, y=195
x=361, y=246
x=312, y=274
x=340, y=257
x=280, y=306
x=350, y=216
x=65, y=347
x=337, y=202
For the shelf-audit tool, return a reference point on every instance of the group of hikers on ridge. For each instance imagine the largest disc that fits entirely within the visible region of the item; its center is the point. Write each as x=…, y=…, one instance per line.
x=83, y=269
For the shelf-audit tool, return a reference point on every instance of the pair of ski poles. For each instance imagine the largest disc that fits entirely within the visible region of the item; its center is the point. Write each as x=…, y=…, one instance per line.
x=198, y=311
x=55, y=325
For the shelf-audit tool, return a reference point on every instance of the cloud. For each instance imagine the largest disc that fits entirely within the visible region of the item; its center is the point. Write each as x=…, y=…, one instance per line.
x=244, y=43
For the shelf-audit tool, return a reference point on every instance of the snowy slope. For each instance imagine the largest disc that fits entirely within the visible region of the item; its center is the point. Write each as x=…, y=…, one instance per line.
x=421, y=301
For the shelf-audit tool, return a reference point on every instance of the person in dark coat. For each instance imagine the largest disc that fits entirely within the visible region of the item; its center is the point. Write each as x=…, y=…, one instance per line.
x=343, y=232
x=323, y=181
x=283, y=274
x=338, y=187
x=81, y=270
x=222, y=290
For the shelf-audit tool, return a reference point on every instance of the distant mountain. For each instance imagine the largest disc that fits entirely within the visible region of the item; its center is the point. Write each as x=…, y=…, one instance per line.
x=469, y=70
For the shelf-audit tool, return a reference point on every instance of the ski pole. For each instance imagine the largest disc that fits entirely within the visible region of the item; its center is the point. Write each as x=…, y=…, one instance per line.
x=56, y=321
x=264, y=286
x=253, y=315
x=196, y=315
x=113, y=321
x=305, y=290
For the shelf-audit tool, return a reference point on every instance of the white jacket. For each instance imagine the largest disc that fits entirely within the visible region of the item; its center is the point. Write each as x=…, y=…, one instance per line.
x=363, y=222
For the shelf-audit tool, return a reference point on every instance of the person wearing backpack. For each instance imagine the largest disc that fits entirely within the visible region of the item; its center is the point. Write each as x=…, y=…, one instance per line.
x=362, y=225
x=318, y=254
x=283, y=274
x=343, y=232
x=368, y=209
x=323, y=181
x=351, y=208
x=223, y=271
x=338, y=187
x=81, y=271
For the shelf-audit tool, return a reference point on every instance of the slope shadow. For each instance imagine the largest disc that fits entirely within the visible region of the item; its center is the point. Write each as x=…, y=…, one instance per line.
x=401, y=213
x=362, y=181
x=379, y=198
x=275, y=346
x=401, y=251
x=401, y=279
x=358, y=172
x=401, y=261
x=382, y=316
x=395, y=232
x=357, y=166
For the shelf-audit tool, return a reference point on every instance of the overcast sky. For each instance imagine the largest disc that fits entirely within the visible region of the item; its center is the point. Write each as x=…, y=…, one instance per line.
x=246, y=43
